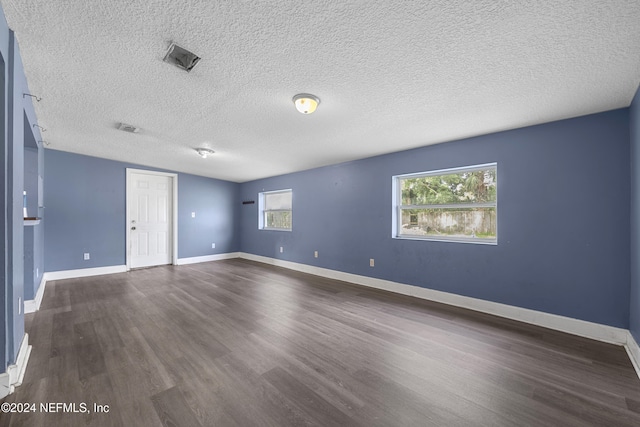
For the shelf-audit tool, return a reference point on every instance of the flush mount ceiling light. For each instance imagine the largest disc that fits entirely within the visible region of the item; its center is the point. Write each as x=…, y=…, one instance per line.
x=306, y=103
x=181, y=57
x=204, y=152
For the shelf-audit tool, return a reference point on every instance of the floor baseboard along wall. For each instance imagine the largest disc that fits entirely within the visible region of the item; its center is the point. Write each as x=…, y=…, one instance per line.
x=12, y=378
x=207, y=258
x=33, y=305
x=569, y=325
x=633, y=350
x=596, y=331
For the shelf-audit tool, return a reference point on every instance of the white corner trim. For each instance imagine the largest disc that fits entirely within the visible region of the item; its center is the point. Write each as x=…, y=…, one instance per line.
x=633, y=350
x=207, y=258
x=15, y=373
x=84, y=272
x=33, y=305
x=578, y=327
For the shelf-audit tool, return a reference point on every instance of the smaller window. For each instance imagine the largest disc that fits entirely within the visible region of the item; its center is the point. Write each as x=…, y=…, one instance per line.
x=275, y=210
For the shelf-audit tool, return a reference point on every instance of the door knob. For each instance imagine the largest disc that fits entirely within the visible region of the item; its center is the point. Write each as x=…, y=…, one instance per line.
x=133, y=228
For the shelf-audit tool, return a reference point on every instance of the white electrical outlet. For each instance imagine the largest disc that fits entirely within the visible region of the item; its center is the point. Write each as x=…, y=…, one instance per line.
x=315, y=254
x=87, y=256
x=372, y=262
x=213, y=246
x=281, y=249
x=193, y=214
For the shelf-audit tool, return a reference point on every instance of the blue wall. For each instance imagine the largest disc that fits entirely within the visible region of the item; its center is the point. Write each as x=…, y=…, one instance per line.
x=634, y=298
x=563, y=220
x=5, y=311
x=216, y=206
x=85, y=206
x=14, y=108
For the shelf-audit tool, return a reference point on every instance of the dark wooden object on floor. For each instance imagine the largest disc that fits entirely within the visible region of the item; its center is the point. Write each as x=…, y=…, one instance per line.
x=237, y=343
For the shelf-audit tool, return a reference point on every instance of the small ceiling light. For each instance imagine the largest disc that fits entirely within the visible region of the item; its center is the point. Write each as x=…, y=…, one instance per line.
x=204, y=152
x=306, y=103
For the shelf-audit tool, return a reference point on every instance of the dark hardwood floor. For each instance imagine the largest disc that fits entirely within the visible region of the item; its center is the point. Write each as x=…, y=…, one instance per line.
x=237, y=343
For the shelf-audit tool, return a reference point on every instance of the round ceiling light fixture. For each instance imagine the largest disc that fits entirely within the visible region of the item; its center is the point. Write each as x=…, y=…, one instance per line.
x=204, y=152
x=306, y=103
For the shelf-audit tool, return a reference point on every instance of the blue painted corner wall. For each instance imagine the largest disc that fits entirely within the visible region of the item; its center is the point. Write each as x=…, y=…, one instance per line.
x=85, y=200
x=634, y=296
x=563, y=220
x=15, y=109
x=217, y=207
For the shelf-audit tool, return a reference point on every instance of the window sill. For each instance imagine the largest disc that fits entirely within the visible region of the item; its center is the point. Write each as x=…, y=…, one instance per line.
x=471, y=240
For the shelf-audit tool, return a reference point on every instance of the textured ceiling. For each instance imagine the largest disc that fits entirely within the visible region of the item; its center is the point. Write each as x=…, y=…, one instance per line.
x=391, y=75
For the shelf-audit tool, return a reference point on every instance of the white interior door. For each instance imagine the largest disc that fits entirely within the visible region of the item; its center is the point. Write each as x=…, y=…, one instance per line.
x=150, y=208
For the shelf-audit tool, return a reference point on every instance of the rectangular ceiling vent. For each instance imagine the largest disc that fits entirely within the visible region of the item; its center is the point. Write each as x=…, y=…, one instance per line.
x=128, y=128
x=181, y=57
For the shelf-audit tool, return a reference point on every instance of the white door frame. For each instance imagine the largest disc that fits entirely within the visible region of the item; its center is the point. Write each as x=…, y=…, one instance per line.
x=174, y=212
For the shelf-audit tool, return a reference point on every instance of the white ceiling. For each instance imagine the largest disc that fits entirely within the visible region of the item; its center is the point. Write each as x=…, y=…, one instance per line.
x=391, y=75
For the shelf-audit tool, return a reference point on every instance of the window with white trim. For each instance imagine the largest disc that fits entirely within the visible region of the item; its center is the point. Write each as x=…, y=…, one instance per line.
x=275, y=210
x=458, y=205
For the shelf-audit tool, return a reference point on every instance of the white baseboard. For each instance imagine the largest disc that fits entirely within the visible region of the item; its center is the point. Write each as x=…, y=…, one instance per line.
x=633, y=350
x=569, y=325
x=33, y=305
x=578, y=327
x=207, y=258
x=15, y=373
x=84, y=272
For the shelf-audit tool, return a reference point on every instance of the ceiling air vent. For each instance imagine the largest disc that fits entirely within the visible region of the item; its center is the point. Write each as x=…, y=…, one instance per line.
x=181, y=57
x=128, y=128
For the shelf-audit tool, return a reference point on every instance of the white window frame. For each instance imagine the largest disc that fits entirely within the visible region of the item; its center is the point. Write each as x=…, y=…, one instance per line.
x=262, y=225
x=398, y=207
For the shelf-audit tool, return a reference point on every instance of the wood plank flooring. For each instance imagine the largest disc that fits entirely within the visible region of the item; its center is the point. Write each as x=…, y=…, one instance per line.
x=238, y=343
